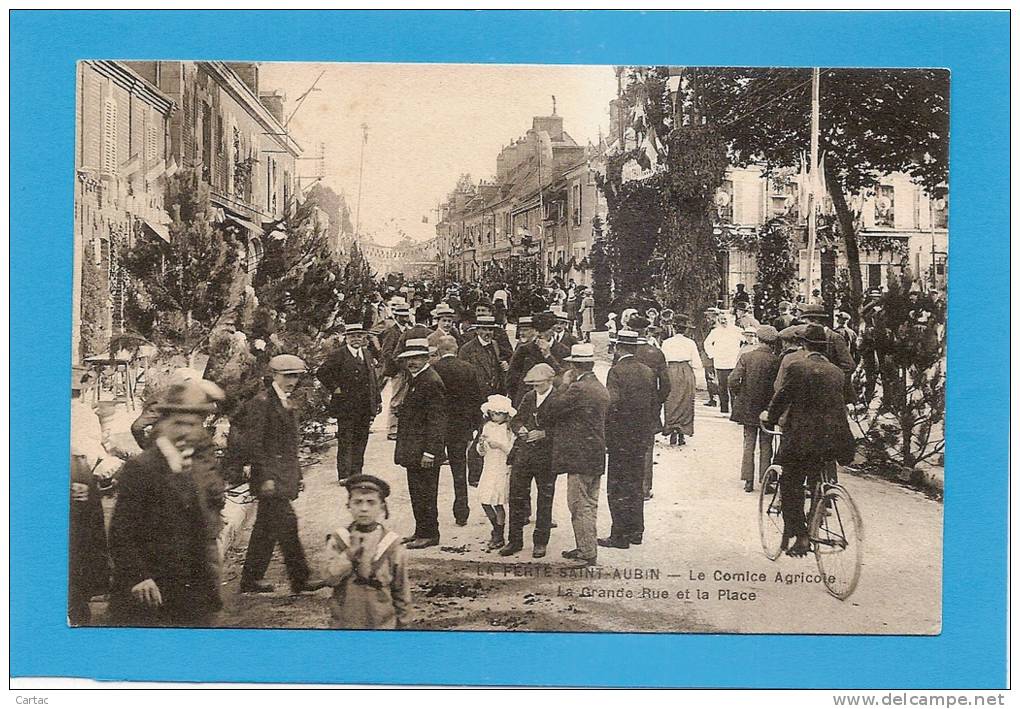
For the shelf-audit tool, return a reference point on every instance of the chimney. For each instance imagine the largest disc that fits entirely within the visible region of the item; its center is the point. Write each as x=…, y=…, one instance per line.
x=248, y=72
x=273, y=101
x=553, y=125
x=616, y=126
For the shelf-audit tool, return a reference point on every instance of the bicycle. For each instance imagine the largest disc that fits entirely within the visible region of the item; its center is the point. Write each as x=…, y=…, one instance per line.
x=835, y=529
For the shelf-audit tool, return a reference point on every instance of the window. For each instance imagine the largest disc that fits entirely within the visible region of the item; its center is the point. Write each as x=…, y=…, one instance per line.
x=221, y=138
x=940, y=212
x=724, y=201
x=874, y=275
x=152, y=150
x=885, y=206
x=109, y=153
x=575, y=190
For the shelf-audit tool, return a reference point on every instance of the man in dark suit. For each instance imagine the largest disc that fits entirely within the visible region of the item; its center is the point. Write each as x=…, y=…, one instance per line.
x=421, y=440
x=532, y=461
x=483, y=309
x=576, y=416
x=631, y=424
x=481, y=351
x=751, y=383
x=463, y=401
x=816, y=431
x=533, y=347
x=273, y=437
x=653, y=358
x=561, y=340
x=391, y=342
x=349, y=374
x=446, y=324
x=837, y=351
x=159, y=531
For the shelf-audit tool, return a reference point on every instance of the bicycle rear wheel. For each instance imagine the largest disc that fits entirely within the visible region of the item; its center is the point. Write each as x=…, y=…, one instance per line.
x=770, y=513
x=837, y=536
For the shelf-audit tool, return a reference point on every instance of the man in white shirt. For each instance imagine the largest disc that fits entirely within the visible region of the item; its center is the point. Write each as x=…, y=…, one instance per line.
x=723, y=346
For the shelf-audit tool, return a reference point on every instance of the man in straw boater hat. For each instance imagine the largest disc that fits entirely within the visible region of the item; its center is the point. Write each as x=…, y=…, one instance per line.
x=392, y=344
x=446, y=325
x=575, y=415
x=349, y=374
x=532, y=461
x=273, y=439
x=816, y=432
x=421, y=440
x=631, y=424
x=159, y=540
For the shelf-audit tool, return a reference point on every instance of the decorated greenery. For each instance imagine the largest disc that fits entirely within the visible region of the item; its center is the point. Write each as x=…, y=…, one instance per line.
x=777, y=271
x=178, y=293
x=601, y=280
x=95, y=302
x=904, y=343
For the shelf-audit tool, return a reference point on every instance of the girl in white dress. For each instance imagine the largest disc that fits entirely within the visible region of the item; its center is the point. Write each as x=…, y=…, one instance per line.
x=494, y=445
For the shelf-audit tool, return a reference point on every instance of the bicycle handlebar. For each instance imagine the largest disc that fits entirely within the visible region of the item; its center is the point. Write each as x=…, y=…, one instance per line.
x=772, y=432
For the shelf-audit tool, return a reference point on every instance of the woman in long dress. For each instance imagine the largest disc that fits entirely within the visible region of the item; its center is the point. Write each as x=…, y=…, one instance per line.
x=587, y=316
x=682, y=358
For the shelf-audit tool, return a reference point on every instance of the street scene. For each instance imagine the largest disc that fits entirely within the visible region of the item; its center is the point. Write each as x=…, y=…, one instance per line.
x=625, y=349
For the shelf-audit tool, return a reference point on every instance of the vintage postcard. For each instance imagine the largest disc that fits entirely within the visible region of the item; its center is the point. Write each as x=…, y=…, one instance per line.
x=642, y=349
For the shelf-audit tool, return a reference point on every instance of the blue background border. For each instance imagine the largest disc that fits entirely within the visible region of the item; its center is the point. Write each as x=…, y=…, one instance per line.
x=971, y=650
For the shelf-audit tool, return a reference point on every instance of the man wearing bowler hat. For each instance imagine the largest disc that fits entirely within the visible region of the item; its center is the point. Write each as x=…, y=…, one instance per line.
x=534, y=346
x=421, y=440
x=349, y=374
x=273, y=439
x=631, y=424
x=836, y=349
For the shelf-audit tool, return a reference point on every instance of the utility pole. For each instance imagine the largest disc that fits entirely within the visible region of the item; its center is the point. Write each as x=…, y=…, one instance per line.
x=812, y=219
x=361, y=174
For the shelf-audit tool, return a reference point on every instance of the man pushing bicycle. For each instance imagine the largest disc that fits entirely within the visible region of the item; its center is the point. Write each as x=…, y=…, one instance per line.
x=816, y=431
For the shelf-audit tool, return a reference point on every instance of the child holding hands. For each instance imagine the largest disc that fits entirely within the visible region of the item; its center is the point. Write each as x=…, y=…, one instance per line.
x=365, y=563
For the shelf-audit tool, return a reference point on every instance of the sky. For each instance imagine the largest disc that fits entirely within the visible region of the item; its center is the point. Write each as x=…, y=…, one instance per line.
x=427, y=124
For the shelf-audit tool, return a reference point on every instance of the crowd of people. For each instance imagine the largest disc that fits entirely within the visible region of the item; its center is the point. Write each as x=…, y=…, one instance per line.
x=509, y=417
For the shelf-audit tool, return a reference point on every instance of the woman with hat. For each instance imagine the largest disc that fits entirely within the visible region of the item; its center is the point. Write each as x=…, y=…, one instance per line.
x=682, y=359
x=364, y=563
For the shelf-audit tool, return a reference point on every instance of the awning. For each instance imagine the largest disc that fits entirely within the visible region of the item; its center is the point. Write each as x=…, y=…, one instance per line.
x=160, y=230
x=241, y=221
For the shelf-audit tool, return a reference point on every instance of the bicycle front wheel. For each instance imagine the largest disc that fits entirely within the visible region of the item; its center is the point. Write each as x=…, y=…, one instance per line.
x=837, y=536
x=770, y=513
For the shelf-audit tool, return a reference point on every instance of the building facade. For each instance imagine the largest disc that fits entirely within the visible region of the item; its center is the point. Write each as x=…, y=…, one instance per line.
x=122, y=145
x=235, y=132
x=532, y=221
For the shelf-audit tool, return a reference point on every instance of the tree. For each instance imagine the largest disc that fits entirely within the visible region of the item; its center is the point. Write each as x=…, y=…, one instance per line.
x=872, y=122
x=601, y=277
x=179, y=292
x=777, y=273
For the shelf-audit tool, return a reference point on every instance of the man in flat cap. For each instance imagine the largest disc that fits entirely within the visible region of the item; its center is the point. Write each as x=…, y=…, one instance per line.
x=274, y=438
x=349, y=374
x=751, y=385
x=532, y=461
x=159, y=536
x=836, y=351
x=816, y=432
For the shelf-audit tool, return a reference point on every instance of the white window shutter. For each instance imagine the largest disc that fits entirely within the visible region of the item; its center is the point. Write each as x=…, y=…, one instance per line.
x=110, y=163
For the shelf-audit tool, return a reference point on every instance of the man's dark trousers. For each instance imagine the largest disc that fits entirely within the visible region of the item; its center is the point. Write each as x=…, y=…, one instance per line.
x=724, y=389
x=521, y=476
x=791, y=492
x=423, y=487
x=351, y=440
x=275, y=521
x=625, y=477
x=458, y=437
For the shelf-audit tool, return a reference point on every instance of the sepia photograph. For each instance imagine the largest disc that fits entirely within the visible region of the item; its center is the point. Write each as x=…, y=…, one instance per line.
x=508, y=347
